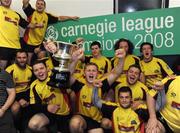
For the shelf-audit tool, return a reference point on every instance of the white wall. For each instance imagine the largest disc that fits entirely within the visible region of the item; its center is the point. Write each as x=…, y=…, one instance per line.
x=174, y=3
x=81, y=8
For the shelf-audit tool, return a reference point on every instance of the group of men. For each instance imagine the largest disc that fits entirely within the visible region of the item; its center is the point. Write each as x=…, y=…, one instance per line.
x=124, y=94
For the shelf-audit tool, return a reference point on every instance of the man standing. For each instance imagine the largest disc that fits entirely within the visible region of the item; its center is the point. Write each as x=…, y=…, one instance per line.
x=9, y=32
x=34, y=38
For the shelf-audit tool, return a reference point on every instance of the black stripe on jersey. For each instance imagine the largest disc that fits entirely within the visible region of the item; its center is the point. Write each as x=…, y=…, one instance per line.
x=136, y=61
x=107, y=110
x=113, y=86
x=106, y=67
x=144, y=94
x=77, y=86
x=11, y=73
x=166, y=86
x=36, y=96
x=164, y=74
x=87, y=59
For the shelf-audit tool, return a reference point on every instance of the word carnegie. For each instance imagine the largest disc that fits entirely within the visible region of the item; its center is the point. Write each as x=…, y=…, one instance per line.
x=98, y=29
x=148, y=24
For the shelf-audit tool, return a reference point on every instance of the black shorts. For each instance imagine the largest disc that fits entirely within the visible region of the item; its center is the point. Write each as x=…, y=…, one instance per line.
x=23, y=95
x=63, y=123
x=164, y=123
x=7, y=53
x=6, y=123
x=27, y=47
x=91, y=124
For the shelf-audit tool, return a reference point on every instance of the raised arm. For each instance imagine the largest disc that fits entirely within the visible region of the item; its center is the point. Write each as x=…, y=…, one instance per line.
x=152, y=122
x=25, y=3
x=76, y=56
x=65, y=18
x=115, y=73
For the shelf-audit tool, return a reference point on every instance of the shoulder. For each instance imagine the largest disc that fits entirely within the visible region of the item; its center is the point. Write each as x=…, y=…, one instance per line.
x=34, y=83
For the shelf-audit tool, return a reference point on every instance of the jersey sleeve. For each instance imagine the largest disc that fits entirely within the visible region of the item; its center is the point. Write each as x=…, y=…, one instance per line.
x=22, y=22
x=166, y=70
x=77, y=85
x=108, y=108
x=52, y=19
x=28, y=10
x=8, y=80
x=105, y=86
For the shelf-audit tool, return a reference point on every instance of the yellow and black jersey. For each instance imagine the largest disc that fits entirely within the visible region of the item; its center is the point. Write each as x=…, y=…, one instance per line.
x=155, y=70
x=171, y=110
x=79, y=70
x=139, y=91
x=41, y=93
x=35, y=36
x=84, y=95
x=129, y=60
x=103, y=63
x=9, y=28
x=21, y=77
x=124, y=120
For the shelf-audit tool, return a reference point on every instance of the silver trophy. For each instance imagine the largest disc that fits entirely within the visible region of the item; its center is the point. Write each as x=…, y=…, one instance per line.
x=61, y=74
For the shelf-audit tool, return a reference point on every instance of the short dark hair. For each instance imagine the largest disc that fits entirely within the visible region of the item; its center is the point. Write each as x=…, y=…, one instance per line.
x=43, y=1
x=136, y=66
x=146, y=43
x=130, y=45
x=21, y=51
x=39, y=62
x=91, y=64
x=95, y=43
x=125, y=89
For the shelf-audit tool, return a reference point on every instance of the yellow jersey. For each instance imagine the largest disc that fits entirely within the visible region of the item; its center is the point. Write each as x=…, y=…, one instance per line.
x=39, y=90
x=9, y=28
x=129, y=60
x=21, y=77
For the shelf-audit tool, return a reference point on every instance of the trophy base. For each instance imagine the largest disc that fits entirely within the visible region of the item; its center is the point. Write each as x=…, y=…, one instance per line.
x=59, y=79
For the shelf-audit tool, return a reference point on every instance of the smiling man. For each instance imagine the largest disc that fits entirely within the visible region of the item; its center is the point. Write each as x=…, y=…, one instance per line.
x=34, y=38
x=139, y=90
x=89, y=117
x=124, y=118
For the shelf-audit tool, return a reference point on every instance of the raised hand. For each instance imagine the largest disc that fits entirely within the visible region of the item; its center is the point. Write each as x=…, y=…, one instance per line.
x=74, y=17
x=78, y=54
x=120, y=53
x=97, y=83
x=53, y=108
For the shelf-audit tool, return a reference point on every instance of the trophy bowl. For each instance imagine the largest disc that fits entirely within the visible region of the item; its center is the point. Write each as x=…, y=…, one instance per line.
x=61, y=74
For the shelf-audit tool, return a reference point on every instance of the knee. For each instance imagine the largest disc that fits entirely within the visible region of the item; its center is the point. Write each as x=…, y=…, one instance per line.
x=15, y=108
x=106, y=123
x=34, y=125
x=77, y=124
x=38, y=122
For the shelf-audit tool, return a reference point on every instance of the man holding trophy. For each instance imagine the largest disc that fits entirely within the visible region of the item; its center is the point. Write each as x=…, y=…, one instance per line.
x=64, y=54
